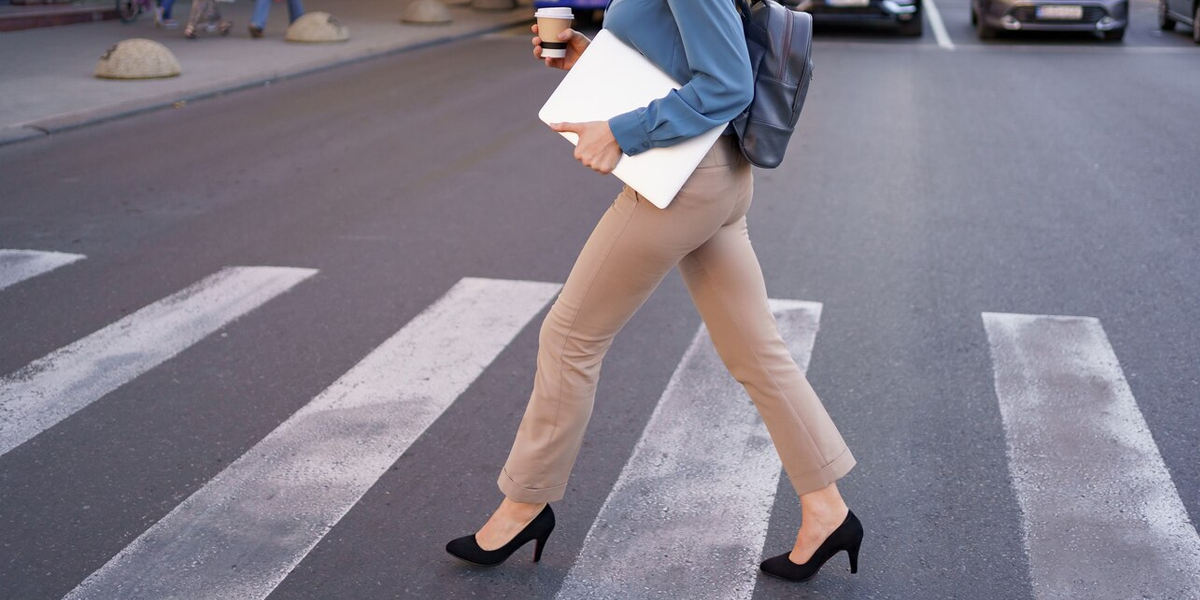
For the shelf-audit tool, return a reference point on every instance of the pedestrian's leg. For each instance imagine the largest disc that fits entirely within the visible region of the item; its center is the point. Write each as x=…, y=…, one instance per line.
x=726, y=283
x=629, y=252
x=295, y=10
x=262, y=9
x=198, y=9
x=212, y=12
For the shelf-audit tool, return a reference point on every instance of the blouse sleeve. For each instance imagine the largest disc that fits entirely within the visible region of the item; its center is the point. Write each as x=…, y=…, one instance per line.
x=721, y=86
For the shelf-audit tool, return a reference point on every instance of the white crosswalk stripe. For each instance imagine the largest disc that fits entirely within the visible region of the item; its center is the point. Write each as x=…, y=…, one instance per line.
x=1102, y=517
x=695, y=497
x=246, y=529
x=18, y=265
x=57, y=385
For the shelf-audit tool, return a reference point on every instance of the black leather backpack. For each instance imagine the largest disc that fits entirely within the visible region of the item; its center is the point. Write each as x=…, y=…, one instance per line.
x=780, y=44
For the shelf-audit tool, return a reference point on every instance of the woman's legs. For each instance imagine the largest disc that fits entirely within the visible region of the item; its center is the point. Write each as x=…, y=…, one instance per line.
x=629, y=252
x=201, y=10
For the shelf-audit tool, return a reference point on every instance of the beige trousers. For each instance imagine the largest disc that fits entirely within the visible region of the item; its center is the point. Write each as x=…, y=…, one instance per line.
x=632, y=248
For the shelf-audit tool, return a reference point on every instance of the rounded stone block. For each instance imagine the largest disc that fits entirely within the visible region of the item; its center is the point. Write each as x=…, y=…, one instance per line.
x=493, y=4
x=317, y=28
x=426, y=11
x=137, y=58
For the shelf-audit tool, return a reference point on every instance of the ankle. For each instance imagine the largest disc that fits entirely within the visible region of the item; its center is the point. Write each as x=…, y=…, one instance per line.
x=521, y=509
x=829, y=515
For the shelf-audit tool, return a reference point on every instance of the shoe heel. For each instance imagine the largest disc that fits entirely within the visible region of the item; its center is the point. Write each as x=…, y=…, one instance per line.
x=853, y=553
x=537, y=549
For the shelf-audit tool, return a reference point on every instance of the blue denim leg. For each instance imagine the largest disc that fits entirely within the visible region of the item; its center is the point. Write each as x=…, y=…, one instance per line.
x=261, y=9
x=295, y=10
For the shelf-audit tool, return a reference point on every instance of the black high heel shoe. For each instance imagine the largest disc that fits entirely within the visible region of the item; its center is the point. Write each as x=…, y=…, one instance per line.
x=848, y=536
x=467, y=549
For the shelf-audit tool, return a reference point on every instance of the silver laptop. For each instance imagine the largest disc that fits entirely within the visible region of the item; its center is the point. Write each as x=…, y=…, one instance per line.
x=611, y=78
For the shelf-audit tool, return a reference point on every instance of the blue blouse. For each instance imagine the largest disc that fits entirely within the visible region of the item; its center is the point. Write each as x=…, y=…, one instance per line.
x=701, y=44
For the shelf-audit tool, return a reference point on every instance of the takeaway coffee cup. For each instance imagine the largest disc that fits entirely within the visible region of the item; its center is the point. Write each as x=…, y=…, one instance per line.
x=551, y=21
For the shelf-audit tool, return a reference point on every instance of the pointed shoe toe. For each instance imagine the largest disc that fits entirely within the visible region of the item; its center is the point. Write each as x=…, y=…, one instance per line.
x=782, y=567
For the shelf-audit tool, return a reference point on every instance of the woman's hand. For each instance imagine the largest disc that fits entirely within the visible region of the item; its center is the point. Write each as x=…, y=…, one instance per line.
x=597, y=148
x=576, y=44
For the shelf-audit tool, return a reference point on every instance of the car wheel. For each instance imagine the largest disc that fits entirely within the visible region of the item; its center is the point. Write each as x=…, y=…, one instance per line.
x=985, y=31
x=1114, y=35
x=912, y=27
x=1196, y=25
x=1165, y=22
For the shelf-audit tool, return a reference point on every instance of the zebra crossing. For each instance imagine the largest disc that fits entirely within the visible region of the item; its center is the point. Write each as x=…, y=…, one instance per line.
x=57, y=385
x=703, y=452
x=1083, y=461
x=18, y=265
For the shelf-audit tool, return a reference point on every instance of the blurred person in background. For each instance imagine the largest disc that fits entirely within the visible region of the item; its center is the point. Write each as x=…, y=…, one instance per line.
x=162, y=15
x=206, y=9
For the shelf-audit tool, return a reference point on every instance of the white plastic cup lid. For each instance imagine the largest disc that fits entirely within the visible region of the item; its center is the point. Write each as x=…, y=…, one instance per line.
x=555, y=12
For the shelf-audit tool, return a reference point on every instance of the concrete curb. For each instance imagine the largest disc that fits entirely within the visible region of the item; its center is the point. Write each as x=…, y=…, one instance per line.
x=75, y=120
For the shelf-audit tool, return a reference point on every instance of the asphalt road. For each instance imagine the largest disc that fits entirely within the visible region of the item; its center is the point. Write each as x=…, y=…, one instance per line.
x=1035, y=175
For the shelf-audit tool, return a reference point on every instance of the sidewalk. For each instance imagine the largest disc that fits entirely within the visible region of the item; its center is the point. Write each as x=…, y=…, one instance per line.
x=47, y=74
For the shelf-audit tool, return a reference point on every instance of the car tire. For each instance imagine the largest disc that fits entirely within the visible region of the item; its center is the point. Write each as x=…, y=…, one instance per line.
x=1114, y=35
x=1165, y=22
x=985, y=31
x=913, y=26
x=1196, y=25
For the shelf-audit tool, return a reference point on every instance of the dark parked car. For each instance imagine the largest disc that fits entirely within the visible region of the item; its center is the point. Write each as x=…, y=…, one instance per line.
x=1106, y=17
x=1187, y=12
x=906, y=14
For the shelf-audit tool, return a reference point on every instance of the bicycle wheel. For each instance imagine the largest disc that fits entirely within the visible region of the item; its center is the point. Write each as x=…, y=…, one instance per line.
x=128, y=10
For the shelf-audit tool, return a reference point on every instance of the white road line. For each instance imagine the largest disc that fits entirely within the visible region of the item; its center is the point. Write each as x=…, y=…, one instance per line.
x=246, y=529
x=1102, y=517
x=19, y=265
x=939, y=28
x=695, y=497
x=57, y=385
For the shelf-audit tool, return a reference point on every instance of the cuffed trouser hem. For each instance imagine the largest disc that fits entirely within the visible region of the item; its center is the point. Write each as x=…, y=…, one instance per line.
x=821, y=478
x=517, y=493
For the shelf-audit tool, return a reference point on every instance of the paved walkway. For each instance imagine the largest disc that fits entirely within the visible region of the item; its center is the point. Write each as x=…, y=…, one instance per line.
x=47, y=75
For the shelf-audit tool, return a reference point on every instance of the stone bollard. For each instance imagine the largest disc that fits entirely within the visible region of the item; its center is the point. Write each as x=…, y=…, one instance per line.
x=426, y=11
x=137, y=58
x=317, y=28
x=493, y=4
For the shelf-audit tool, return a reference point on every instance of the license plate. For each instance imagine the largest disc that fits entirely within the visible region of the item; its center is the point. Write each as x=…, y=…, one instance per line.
x=847, y=2
x=1066, y=13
